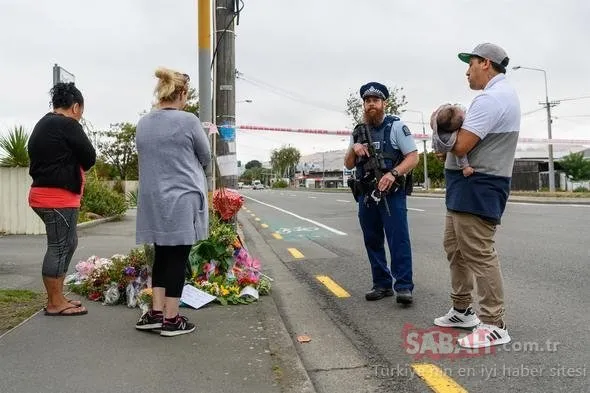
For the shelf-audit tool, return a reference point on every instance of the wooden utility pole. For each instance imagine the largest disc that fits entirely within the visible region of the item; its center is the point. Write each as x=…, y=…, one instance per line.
x=225, y=96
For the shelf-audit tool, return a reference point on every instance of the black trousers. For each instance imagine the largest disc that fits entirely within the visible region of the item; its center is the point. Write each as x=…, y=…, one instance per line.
x=169, y=268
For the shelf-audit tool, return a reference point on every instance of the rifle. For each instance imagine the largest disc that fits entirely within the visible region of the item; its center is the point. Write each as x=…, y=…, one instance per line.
x=375, y=164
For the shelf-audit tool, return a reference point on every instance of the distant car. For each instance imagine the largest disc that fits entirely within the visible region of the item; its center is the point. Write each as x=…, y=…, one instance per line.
x=257, y=185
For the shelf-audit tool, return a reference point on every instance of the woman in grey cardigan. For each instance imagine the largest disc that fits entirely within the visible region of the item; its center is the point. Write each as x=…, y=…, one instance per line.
x=172, y=206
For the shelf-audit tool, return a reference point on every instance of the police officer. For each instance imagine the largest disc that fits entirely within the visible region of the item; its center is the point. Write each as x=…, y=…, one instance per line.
x=382, y=202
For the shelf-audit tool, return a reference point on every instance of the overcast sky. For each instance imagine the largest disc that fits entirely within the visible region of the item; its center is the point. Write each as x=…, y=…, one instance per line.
x=318, y=50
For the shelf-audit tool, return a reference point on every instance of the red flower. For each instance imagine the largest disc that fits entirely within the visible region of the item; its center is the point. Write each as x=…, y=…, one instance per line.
x=94, y=296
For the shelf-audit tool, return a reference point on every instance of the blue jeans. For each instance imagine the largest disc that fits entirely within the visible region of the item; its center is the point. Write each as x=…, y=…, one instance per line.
x=376, y=225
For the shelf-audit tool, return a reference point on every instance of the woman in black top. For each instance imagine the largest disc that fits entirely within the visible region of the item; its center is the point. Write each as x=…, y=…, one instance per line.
x=60, y=153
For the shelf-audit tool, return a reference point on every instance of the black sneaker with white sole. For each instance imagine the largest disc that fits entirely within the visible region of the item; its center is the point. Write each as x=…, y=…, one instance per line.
x=176, y=326
x=150, y=320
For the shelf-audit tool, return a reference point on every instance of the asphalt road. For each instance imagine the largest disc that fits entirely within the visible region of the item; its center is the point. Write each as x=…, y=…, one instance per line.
x=544, y=252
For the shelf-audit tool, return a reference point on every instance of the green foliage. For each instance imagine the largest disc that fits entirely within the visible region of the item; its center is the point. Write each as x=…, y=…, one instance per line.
x=581, y=189
x=436, y=170
x=393, y=105
x=264, y=286
x=217, y=247
x=116, y=147
x=118, y=187
x=280, y=184
x=576, y=166
x=14, y=147
x=104, y=170
x=132, y=198
x=252, y=174
x=221, y=232
x=192, y=103
x=98, y=198
x=284, y=159
x=253, y=164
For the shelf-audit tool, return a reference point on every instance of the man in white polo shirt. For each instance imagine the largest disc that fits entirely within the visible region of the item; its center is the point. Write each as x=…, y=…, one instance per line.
x=475, y=204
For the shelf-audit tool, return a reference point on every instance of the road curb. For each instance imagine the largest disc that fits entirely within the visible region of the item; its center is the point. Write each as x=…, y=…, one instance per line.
x=93, y=223
x=519, y=199
x=287, y=364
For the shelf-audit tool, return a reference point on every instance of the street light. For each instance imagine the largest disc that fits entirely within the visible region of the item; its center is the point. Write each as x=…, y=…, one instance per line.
x=548, y=106
x=426, y=186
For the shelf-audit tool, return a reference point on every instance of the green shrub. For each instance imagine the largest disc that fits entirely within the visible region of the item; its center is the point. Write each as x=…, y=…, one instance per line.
x=98, y=198
x=581, y=189
x=132, y=198
x=14, y=147
x=280, y=184
x=118, y=187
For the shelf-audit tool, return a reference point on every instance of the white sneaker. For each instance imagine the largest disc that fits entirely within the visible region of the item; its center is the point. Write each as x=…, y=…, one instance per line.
x=455, y=319
x=484, y=336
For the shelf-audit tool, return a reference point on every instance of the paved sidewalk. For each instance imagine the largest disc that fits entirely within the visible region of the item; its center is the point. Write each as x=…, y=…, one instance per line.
x=233, y=350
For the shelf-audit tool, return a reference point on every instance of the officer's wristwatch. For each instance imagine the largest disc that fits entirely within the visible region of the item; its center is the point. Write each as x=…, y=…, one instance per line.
x=395, y=173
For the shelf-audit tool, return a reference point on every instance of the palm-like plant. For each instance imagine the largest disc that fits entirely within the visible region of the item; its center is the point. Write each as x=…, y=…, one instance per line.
x=14, y=146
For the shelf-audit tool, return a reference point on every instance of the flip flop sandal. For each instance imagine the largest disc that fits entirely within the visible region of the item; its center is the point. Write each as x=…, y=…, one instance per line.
x=76, y=303
x=62, y=314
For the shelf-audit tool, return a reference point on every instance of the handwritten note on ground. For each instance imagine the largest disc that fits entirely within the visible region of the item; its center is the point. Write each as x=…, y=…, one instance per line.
x=195, y=297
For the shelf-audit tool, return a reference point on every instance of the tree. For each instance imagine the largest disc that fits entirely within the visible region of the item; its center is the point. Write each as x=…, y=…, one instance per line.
x=250, y=174
x=393, y=105
x=436, y=170
x=284, y=159
x=253, y=164
x=117, y=148
x=576, y=166
x=192, y=103
x=14, y=146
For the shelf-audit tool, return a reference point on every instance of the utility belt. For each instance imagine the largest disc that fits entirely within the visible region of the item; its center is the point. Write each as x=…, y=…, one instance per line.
x=362, y=187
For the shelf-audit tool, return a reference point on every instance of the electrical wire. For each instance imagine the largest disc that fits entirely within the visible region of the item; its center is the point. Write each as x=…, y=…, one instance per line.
x=287, y=94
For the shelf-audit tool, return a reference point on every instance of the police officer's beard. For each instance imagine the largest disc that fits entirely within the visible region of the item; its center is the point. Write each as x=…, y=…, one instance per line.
x=374, y=117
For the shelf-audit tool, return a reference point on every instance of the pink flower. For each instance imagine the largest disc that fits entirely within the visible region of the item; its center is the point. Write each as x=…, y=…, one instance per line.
x=85, y=268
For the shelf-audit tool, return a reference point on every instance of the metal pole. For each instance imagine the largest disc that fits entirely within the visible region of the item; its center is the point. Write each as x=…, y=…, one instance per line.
x=55, y=74
x=549, y=133
x=323, y=169
x=425, y=157
x=205, y=101
x=548, y=107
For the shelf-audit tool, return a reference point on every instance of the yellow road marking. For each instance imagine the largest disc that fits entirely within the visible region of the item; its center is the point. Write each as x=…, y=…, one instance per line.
x=332, y=286
x=277, y=236
x=437, y=379
x=296, y=253
x=264, y=225
x=257, y=219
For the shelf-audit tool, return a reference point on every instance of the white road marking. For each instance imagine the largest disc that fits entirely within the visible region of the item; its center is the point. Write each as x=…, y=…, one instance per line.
x=336, y=231
x=416, y=210
x=312, y=197
x=342, y=200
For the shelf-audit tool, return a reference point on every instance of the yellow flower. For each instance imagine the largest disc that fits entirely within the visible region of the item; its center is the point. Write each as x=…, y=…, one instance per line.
x=223, y=291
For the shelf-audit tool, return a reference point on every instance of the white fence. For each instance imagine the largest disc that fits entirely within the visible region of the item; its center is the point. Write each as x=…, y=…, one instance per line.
x=16, y=217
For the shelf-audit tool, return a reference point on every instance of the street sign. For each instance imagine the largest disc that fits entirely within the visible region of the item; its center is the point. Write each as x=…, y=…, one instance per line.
x=60, y=74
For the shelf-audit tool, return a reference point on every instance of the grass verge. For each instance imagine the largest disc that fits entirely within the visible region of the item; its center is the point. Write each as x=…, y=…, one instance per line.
x=16, y=305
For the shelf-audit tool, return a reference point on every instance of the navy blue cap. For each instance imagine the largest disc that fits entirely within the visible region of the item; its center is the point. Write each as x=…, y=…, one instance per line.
x=374, y=89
